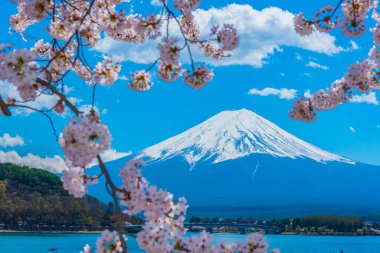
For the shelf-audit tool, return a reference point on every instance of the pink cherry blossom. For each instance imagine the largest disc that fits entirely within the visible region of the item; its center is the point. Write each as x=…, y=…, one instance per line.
x=302, y=26
x=169, y=51
x=83, y=139
x=149, y=27
x=199, y=77
x=140, y=81
x=186, y=4
x=73, y=181
x=323, y=21
x=228, y=37
x=169, y=73
x=303, y=110
x=109, y=242
x=106, y=72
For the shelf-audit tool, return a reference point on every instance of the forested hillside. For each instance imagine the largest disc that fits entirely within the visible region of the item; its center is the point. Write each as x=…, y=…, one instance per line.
x=35, y=199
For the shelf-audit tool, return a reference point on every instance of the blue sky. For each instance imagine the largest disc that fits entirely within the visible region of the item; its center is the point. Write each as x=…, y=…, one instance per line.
x=271, y=55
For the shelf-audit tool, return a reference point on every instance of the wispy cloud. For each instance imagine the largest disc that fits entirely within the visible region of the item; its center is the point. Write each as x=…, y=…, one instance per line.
x=369, y=98
x=315, y=65
x=9, y=141
x=283, y=93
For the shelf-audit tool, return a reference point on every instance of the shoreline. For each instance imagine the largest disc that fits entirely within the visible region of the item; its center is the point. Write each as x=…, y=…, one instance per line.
x=50, y=232
x=100, y=231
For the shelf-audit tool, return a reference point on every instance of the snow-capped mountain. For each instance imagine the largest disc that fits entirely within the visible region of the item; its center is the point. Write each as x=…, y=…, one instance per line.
x=240, y=164
x=233, y=134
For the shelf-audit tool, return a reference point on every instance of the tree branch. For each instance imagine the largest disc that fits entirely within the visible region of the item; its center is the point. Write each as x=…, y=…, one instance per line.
x=118, y=212
x=59, y=94
x=4, y=107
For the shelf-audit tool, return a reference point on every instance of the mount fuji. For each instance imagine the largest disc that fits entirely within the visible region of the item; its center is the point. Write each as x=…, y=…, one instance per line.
x=231, y=135
x=239, y=164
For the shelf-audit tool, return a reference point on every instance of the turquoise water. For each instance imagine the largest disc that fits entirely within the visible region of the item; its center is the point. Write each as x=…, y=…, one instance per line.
x=72, y=243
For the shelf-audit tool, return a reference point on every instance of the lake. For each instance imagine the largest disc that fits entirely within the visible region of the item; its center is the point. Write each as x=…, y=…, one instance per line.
x=73, y=243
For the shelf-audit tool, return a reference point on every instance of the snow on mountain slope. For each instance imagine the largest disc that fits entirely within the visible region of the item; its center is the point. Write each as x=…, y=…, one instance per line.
x=233, y=134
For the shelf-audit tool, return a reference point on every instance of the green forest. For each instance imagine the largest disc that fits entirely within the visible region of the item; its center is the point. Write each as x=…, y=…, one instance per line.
x=34, y=199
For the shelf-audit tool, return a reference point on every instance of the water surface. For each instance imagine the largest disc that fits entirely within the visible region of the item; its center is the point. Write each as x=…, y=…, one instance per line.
x=71, y=243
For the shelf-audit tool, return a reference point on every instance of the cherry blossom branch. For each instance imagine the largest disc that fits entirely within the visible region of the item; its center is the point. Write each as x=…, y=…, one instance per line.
x=74, y=33
x=4, y=107
x=118, y=212
x=104, y=171
x=336, y=8
x=59, y=94
x=361, y=76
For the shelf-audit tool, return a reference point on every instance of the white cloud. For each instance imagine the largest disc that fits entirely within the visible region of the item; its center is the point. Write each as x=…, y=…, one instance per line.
x=299, y=57
x=281, y=93
x=53, y=164
x=108, y=156
x=86, y=109
x=352, y=129
x=123, y=77
x=353, y=46
x=9, y=141
x=307, y=94
x=315, y=65
x=262, y=33
x=156, y=2
x=369, y=98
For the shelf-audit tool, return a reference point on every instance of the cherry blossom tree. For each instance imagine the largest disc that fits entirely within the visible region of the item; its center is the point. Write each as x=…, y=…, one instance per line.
x=351, y=17
x=77, y=25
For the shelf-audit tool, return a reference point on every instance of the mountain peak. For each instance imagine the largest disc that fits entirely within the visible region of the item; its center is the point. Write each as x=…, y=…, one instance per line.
x=232, y=134
x=236, y=113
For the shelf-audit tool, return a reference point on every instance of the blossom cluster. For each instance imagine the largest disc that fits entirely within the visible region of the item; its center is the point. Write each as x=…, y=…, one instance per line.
x=361, y=76
x=325, y=19
x=164, y=218
x=199, y=77
x=84, y=139
x=109, y=242
x=84, y=21
x=19, y=68
x=75, y=181
x=106, y=72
